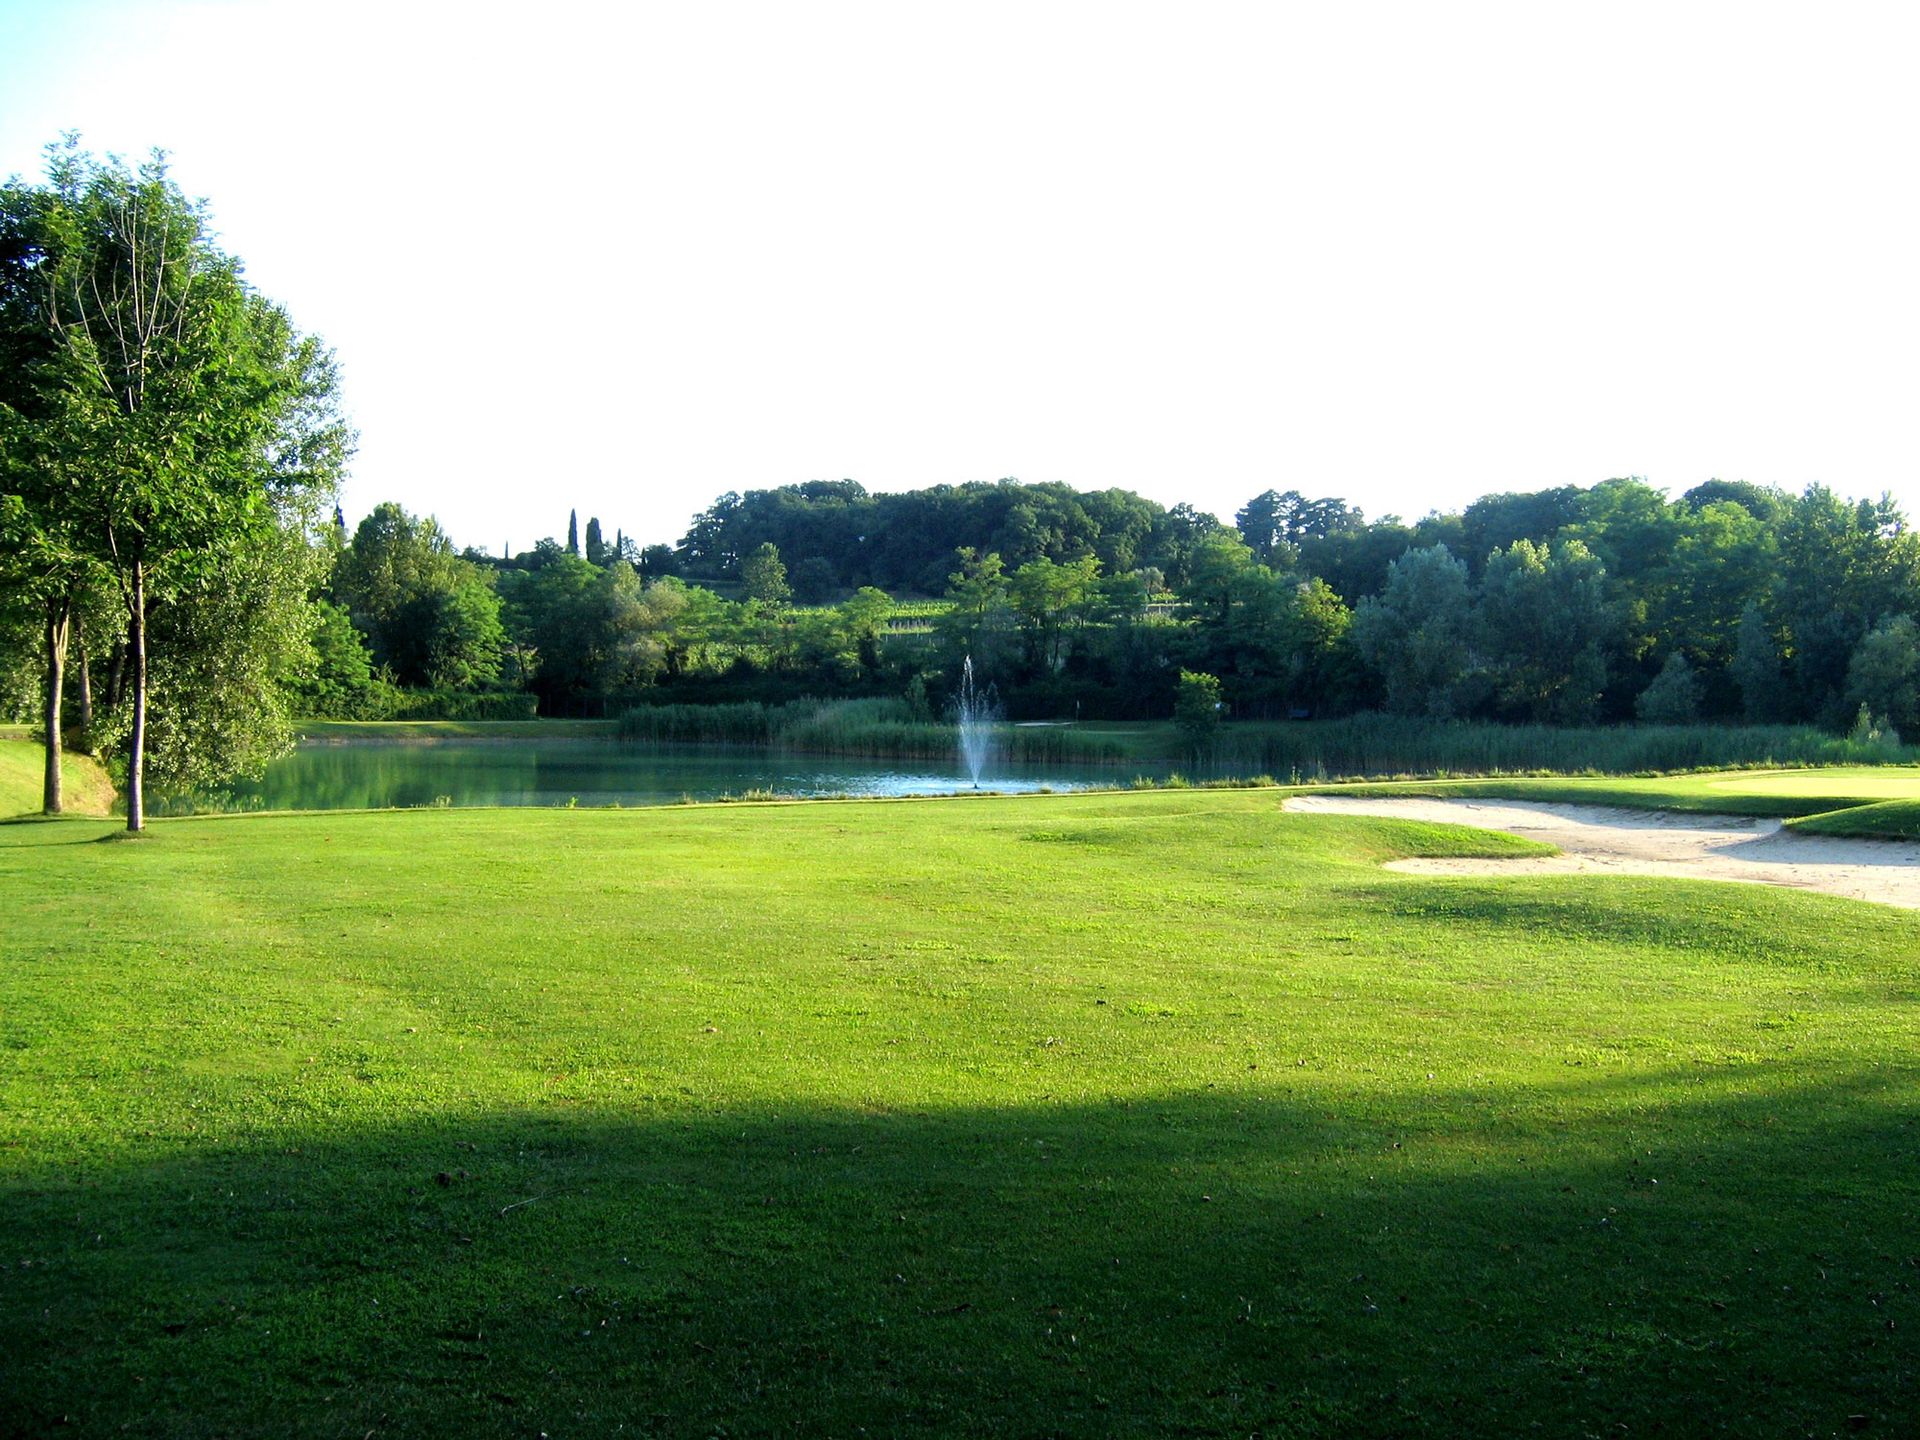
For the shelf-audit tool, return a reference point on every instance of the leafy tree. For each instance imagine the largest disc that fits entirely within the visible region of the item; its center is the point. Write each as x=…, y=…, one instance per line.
x=1172, y=541
x=765, y=577
x=1884, y=675
x=1722, y=563
x=451, y=639
x=1674, y=696
x=1416, y=635
x=1761, y=503
x=1756, y=668
x=1543, y=622
x=1197, y=709
x=814, y=581
x=554, y=611
x=340, y=682
x=432, y=617
x=189, y=419
x=979, y=616
x=657, y=562
x=1494, y=522
x=1215, y=565
x=1051, y=603
x=866, y=613
x=596, y=547
x=1276, y=525
x=230, y=653
x=1841, y=565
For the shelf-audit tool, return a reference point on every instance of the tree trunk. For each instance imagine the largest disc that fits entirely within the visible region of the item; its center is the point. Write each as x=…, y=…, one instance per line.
x=85, y=678
x=59, y=626
x=137, y=740
x=116, y=674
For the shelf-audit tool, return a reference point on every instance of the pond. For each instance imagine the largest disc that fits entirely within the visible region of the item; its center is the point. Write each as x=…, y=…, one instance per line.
x=377, y=774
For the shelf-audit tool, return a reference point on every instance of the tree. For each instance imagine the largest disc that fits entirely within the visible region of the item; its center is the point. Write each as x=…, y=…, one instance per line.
x=978, y=615
x=1884, y=674
x=340, y=682
x=1215, y=565
x=573, y=532
x=1051, y=602
x=814, y=581
x=1756, y=668
x=1197, y=709
x=866, y=613
x=596, y=547
x=1674, y=696
x=433, y=617
x=229, y=654
x=764, y=577
x=1542, y=621
x=1415, y=634
x=189, y=418
x=44, y=566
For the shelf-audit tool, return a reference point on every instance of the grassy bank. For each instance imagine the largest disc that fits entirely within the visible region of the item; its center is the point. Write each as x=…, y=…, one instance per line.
x=1146, y=1114
x=86, y=787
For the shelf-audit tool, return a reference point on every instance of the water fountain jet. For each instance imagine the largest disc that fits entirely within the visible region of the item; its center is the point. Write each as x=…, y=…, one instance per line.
x=979, y=712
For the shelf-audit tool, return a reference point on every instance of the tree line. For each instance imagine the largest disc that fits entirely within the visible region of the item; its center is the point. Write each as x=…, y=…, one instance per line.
x=177, y=585
x=1567, y=606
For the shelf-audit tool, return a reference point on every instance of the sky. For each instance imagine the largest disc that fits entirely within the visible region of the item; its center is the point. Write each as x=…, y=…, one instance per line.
x=623, y=258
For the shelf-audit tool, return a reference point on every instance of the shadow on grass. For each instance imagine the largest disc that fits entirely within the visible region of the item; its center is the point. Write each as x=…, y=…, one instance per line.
x=1681, y=1254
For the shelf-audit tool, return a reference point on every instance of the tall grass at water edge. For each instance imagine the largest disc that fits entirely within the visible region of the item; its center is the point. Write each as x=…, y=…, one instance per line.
x=1358, y=746
x=871, y=729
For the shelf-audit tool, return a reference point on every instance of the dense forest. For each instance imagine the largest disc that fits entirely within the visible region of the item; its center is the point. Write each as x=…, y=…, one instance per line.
x=1566, y=606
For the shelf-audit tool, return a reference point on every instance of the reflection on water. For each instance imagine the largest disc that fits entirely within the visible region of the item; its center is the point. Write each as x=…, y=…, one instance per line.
x=374, y=774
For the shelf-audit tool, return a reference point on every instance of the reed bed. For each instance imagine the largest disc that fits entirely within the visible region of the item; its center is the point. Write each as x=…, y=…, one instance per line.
x=871, y=729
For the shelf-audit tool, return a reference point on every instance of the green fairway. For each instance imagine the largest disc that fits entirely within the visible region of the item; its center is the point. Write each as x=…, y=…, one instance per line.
x=1888, y=820
x=1149, y=1114
x=1785, y=793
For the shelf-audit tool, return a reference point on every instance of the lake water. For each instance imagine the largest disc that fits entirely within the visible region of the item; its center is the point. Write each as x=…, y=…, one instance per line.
x=377, y=774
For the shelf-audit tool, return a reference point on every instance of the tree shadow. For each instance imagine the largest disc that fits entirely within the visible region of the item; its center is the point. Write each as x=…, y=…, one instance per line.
x=1683, y=1253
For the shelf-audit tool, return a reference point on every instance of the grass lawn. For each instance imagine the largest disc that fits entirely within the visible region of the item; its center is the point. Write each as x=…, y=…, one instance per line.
x=1888, y=820
x=1140, y=1114
x=85, y=786
x=1784, y=793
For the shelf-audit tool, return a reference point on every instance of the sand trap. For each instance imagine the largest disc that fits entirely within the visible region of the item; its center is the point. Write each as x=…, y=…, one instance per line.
x=1598, y=840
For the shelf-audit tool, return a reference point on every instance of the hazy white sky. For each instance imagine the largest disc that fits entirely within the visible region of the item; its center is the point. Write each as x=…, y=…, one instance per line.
x=625, y=257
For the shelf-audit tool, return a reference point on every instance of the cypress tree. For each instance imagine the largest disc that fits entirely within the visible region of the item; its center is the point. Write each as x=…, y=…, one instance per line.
x=596, y=547
x=573, y=532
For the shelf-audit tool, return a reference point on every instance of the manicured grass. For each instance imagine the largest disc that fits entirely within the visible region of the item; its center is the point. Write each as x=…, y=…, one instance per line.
x=86, y=788
x=401, y=730
x=1785, y=793
x=1139, y=1114
x=1888, y=820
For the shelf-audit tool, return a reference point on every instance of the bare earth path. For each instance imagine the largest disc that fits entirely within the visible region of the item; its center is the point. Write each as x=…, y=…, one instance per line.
x=1599, y=840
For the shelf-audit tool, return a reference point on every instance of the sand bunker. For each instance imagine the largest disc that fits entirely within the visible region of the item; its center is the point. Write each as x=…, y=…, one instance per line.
x=1597, y=840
